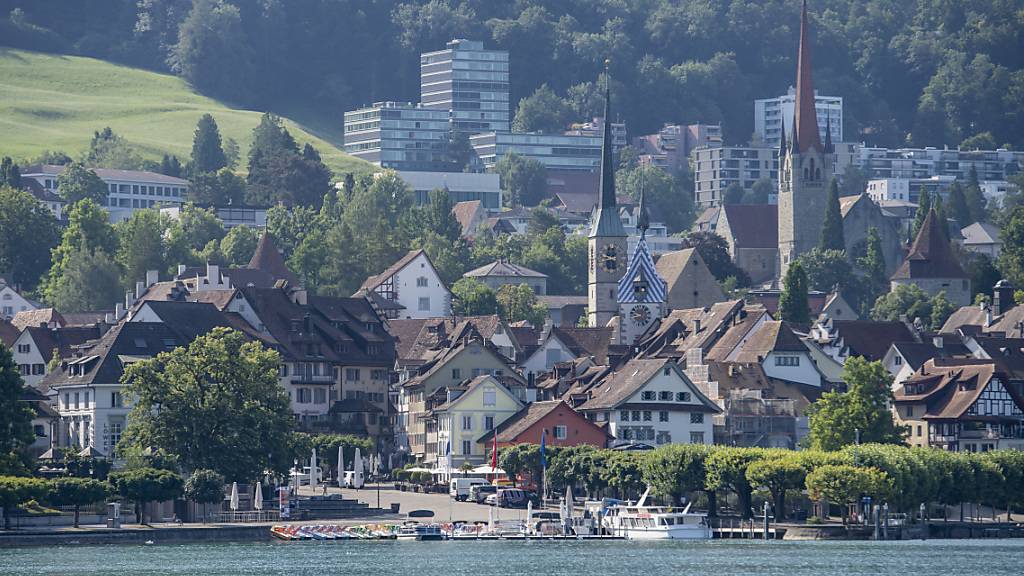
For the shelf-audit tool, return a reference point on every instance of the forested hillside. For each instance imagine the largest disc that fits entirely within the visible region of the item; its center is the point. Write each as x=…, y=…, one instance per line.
x=928, y=72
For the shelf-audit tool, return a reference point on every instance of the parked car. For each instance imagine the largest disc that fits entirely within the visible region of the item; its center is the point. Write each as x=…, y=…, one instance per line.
x=459, y=488
x=480, y=492
x=509, y=498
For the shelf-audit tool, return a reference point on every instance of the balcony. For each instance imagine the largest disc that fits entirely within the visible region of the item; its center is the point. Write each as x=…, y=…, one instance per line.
x=299, y=379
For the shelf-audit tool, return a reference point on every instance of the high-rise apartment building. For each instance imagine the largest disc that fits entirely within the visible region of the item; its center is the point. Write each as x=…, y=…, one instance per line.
x=398, y=135
x=771, y=113
x=469, y=82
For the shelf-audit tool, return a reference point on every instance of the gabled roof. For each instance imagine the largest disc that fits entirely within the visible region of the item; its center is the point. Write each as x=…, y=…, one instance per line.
x=36, y=318
x=708, y=218
x=915, y=354
x=8, y=333
x=846, y=203
x=736, y=332
x=103, y=360
x=1009, y=323
x=772, y=336
x=514, y=426
x=41, y=193
x=871, y=339
x=64, y=340
x=464, y=213
x=473, y=385
x=753, y=225
x=373, y=282
x=931, y=255
x=504, y=269
x=591, y=341
x=421, y=338
x=641, y=269
x=949, y=387
x=683, y=330
x=981, y=233
x=267, y=258
x=617, y=387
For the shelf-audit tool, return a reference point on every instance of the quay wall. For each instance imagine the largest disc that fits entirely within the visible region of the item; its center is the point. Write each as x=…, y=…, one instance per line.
x=175, y=535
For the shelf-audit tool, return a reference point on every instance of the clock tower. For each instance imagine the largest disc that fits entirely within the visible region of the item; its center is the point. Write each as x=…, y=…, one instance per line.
x=607, y=239
x=642, y=292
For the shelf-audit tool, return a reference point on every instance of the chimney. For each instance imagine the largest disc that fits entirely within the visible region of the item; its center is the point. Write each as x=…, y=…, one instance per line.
x=181, y=269
x=140, y=287
x=118, y=312
x=1002, y=297
x=152, y=277
x=696, y=326
x=129, y=299
x=212, y=273
x=937, y=341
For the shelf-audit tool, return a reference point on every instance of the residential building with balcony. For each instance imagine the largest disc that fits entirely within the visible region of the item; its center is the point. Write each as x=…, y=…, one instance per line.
x=399, y=135
x=923, y=163
x=459, y=415
x=670, y=148
x=556, y=151
x=460, y=187
x=771, y=114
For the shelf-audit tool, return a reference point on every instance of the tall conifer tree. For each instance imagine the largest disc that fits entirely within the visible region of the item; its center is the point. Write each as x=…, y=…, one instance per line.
x=832, y=229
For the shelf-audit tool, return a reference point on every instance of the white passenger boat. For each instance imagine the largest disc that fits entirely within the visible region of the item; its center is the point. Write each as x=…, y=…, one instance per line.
x=641, y=522
x=420, y=532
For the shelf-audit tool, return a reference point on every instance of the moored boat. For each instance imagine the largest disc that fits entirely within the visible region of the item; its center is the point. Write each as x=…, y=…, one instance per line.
x=642, y=522
x=422, y=532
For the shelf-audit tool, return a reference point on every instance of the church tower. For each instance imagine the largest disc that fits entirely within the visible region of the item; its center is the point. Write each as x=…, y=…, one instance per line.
x=805, y=166
x=607, y=239
x=642, y=293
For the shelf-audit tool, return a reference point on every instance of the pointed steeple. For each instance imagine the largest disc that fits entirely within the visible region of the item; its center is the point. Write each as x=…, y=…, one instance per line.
x=643, y=220
x=794, y=143
x=606, y=221
x=805, y=116
x=607, y=163
x=829, y=148
x=782, y=142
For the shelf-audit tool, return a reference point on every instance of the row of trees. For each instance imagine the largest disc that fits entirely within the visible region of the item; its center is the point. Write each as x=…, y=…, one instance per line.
x=904, y=477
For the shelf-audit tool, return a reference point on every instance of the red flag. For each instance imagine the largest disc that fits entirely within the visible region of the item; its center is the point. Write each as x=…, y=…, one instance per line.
x=494, y=452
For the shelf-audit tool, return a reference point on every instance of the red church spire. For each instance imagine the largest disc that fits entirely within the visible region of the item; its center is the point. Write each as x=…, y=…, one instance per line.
x=806, y=117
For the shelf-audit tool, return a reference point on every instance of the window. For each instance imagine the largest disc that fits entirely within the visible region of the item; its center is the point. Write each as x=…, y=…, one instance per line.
x=76, y=400
x=696, y=437
x=898, y=360
x=682, y=396
x=115, y=433
x=624, y=415
x=467, y=422
x=319, y=396
x=910, y=411
x=696, y=418
x=351, y=374
x=663, y=416
x=918, y=429
x=86, y=399
x=424, y=304
x=115, y=400
x=24, y=348
x=38, y=369
x=665, y=396
x=635, y=416
x=561, y=432
x=421, y=282
x=648, y=395
x=456, y=374
x=467, y=447
x=787, y=360
x=647, y=415
x=488, y=422
x=490, y=397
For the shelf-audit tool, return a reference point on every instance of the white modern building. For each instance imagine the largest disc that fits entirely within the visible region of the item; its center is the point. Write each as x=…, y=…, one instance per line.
x=995, y=165
x=461, y=187
x=410, y=288
x=908, y=189
x=127, y=190
x=398, y=135
x=469, y=84
x=770, y=114
x=555, y=151
x=230, y=216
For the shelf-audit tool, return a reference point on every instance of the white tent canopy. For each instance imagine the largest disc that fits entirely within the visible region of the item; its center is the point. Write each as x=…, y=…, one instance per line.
x=486, y=469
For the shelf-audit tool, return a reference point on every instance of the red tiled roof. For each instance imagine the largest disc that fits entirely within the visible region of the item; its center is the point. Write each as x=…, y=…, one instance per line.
x=931, y=255
x=753, y=225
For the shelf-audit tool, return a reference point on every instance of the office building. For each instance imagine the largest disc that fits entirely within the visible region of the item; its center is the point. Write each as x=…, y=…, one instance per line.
x=994, y=165
x=771, y=113
x=468, y=82
x=555, y=151
x=398, y=135
x=715, y=169
x=461, y=187
x=127, y=190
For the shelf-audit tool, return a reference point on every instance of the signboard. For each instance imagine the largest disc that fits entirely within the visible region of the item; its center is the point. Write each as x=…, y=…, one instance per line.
x=283, y=503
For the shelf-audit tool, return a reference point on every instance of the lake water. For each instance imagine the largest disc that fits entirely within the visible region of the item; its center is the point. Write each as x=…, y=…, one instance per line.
x=717, y=558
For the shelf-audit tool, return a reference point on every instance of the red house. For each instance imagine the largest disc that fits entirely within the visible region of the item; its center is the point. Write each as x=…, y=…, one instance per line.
x=565, y=427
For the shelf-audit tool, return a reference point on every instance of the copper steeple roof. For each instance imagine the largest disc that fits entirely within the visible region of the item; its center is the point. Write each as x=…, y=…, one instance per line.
x=805, y=115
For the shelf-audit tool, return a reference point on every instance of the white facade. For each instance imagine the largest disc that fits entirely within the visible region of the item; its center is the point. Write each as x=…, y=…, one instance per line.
x=461, y=187
x=29, y=358
x=418, y=287
x=11, y=302
x=542, y=359
x=127, y=190
x=792, y=367
x=91, y=415
x=907, y=189
x=770, y=114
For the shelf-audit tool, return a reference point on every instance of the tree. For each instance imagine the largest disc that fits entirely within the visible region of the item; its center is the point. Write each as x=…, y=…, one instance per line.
x=958, y=208
x=204, y=486
x=826, y=269
x=221, y=188
x=108, y=150
x=924, y=205
x=77, y=183
x=142, y=244
x=518, y=303
x=778, y=475
x=10, y=174
x=141, y=485
x=207, y=152
x=231, y=153
x=190, y=234
x=216, y=404
x=846, y=484
x=460, y=152
x=523, y=180
x=734, y=194
x=471, y=297
x=837, y=418
x=675, y=470
x=974, y=196
x=28, y=232
x=876, y=282
x=910, y=302
x=15, y=491
x=542, y=111
x=88, y=230
x=15, y=415
x=832, y=228
x=793, y=306
x=942, y=309
x=239, y=244
x=1011, y=258
x=88, y=280
x=760, y=192
x=727, y=470
x=854, y=181
x=211, y=52
x=77, y=492
x=170, y=166
x=714, y=251
x=669, y=200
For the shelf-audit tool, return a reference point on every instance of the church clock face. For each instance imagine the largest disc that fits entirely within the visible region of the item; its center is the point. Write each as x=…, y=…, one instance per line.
x=640, y=315
x=610, y=257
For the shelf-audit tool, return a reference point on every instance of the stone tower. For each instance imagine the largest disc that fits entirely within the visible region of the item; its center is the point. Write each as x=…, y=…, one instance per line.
x=642, y=293
x=607, y=239
x=805, y=166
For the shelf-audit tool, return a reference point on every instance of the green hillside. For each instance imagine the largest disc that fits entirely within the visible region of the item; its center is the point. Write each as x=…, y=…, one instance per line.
x=55, y=102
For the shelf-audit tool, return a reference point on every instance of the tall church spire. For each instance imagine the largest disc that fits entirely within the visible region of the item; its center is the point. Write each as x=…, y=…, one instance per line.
x=782, y=142
x=607, y=165
x=829, y=147
x=805, y=116
x=643, y=220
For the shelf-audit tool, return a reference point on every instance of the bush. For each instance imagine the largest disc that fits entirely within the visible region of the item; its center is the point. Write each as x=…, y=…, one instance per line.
x=15, y=490
x=77, y=492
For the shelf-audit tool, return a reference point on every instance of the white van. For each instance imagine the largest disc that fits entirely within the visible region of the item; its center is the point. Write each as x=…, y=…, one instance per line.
x=459, y=487
x=349, y=479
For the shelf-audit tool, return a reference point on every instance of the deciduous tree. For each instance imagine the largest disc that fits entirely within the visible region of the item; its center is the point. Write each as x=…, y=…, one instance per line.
x=837, y=418
x=77, y=183
x=28, y=232
x=77, y=492
x=141, y=485
x=471, y=297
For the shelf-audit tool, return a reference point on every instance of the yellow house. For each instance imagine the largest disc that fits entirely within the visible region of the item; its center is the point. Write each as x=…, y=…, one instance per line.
x=466, y=412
